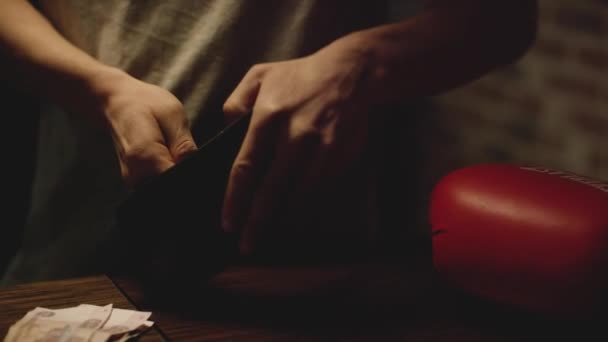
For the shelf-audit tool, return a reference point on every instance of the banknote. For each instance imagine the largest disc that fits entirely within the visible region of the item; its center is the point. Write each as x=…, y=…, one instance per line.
x=79, y=324
x=123, y=322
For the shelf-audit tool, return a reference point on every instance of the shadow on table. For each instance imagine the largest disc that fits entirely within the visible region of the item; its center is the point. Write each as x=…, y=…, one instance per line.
x=355, y=301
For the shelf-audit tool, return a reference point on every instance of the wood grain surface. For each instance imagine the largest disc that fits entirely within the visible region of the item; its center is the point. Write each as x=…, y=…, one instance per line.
x=16, y=301
x=361, y=302
x=369, y=302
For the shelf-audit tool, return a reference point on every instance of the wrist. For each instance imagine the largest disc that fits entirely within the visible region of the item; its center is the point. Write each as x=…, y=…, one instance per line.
x=84, y=90
x=360, y=49
x=103, y=83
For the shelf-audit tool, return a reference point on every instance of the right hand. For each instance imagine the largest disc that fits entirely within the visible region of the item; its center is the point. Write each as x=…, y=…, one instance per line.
x=150, y=130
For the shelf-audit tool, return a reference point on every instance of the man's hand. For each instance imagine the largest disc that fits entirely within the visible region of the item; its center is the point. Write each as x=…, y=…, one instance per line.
x=148, y=124
x=309, y=122
x=310, y=115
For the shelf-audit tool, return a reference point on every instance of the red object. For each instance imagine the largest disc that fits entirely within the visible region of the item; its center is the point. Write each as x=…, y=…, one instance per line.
x=533, y=238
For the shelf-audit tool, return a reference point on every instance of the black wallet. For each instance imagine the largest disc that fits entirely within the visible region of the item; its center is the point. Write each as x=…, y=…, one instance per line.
x=171, y=224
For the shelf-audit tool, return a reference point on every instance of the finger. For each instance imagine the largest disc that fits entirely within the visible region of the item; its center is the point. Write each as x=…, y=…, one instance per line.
x=342, y=144
x=272, y=197
x=318, y=171
x=146, y=162
x=142, y=148
x=181, y=145
x=124, y=170
x=251, y=162
x=330, y=161
x=243, y=97
x=176, y=132
x=141, y=156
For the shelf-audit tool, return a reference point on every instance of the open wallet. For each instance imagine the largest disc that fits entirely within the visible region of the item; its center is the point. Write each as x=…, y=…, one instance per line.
x=171, y=224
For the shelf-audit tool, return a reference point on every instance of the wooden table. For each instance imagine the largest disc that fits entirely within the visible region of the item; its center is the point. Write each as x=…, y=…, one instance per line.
x=98, y=290
x=360, y=302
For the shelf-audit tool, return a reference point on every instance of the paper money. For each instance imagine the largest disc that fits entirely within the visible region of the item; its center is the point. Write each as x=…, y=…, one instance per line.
x=79, y=324
x=72, y=324
x=123, y=322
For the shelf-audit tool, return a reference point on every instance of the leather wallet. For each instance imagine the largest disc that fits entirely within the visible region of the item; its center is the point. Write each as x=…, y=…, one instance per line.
x=171, y=224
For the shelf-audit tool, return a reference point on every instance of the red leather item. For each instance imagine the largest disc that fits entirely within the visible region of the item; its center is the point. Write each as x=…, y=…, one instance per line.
x=536, y=239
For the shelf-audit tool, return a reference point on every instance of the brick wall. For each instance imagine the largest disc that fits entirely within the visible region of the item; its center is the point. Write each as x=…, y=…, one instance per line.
x=548, y=109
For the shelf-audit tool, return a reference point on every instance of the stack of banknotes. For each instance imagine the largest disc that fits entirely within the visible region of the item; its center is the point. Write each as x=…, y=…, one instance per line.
x=79, y=324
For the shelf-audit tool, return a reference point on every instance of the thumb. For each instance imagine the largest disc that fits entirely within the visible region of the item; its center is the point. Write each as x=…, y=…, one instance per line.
x=145, y=163
x=178, y=138
x=181, y=144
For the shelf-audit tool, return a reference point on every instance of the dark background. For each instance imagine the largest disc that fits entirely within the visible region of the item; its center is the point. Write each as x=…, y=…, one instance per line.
x=18, y=137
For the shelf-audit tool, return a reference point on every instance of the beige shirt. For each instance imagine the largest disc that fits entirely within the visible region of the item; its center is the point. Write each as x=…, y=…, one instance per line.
x=198, y=50
x=192, y=48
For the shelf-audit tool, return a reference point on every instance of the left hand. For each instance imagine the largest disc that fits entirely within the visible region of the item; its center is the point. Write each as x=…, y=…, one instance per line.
x=309, y=123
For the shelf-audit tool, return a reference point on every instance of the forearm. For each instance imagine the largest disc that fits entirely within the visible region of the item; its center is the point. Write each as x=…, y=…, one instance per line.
x=39, y=60
x=447, y=45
